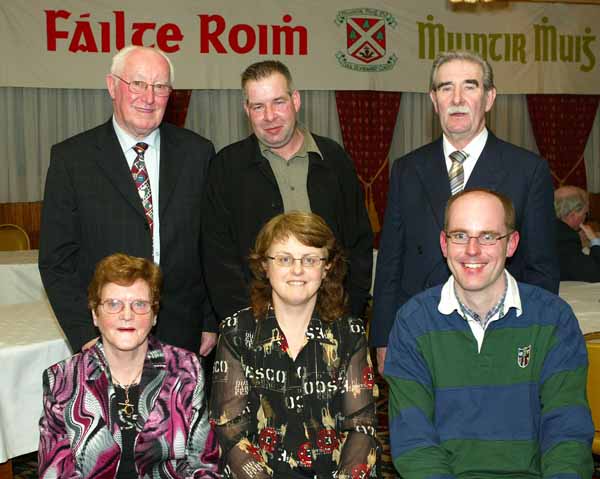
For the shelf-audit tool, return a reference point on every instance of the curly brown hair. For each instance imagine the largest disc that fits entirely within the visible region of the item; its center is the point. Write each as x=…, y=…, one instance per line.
x=124, y=270
x=310, y=230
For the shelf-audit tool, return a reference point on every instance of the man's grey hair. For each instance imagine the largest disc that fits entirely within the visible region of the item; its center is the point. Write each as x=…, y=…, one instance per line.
x=574, y=200
x=120, y=60
x=462, y=55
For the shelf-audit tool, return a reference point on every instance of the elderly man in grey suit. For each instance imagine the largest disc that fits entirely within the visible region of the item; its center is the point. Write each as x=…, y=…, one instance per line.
x=131, y=185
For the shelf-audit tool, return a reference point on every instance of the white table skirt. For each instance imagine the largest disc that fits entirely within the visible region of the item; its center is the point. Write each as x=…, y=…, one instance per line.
x=30, y=341
x=20, y=280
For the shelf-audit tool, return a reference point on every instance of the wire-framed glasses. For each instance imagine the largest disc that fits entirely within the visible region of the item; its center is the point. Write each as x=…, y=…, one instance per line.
x=139, y=87
x=287, y=260
x=115, y=306
x=487, y=238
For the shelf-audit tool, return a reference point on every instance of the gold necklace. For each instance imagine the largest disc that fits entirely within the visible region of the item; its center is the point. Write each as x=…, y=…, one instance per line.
x=127, y=408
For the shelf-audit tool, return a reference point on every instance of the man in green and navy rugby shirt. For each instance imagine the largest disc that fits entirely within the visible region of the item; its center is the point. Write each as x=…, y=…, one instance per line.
x=487, y=376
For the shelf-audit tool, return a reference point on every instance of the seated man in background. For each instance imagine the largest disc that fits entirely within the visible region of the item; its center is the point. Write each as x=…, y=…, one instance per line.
x=487, y=376
x=572, y=234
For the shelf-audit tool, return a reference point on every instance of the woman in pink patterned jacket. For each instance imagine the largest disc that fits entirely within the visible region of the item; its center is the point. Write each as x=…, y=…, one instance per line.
x=128, y=406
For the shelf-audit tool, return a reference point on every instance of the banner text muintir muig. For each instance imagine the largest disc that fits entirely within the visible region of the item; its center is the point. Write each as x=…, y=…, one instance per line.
x=549, y=44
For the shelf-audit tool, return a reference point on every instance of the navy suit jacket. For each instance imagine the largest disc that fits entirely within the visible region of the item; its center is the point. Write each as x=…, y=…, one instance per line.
x=410, y=258
x=92, y=209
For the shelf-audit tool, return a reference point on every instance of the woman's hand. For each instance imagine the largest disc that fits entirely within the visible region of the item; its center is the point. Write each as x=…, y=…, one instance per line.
x=207, y=342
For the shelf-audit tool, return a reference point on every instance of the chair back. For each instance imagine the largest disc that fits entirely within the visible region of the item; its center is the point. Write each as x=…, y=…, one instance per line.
x=13, y=238
x=592, y=341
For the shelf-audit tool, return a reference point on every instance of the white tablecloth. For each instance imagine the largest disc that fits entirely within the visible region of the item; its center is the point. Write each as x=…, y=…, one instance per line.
x=30, y=341
x=584, y=298
x=20, y=280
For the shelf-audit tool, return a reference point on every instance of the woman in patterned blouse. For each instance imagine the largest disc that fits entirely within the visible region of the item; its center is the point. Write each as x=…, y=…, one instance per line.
x=293, y=386
x=128, y=406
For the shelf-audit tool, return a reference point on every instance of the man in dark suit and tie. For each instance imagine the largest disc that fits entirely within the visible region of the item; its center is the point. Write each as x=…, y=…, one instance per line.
x=134, y=186
x=468, y=155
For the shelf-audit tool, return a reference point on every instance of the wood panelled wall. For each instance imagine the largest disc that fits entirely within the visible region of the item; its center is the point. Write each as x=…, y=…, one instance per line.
x=26, y=215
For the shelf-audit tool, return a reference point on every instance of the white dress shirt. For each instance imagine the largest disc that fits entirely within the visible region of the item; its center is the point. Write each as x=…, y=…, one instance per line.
x=152, y=161
x=473, y=151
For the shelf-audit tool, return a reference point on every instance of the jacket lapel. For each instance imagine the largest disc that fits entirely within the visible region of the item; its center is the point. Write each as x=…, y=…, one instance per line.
x=486, y=173
x=104, y=432
x=153, y=377
x=260, y=161
x=433, y=175
x=171, y=166
x=112, y=163
x=100, y=385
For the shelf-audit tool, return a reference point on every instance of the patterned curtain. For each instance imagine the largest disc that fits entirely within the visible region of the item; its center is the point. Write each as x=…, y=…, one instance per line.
x=177, y=108
x=367, y=121
x=561, y=125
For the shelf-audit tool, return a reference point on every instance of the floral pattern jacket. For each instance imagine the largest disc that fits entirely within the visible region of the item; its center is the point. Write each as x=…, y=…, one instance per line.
x=308, y=417
x=79, y=435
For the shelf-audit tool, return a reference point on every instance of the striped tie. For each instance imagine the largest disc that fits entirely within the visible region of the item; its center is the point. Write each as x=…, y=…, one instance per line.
x=142, y=182
x=457, y=173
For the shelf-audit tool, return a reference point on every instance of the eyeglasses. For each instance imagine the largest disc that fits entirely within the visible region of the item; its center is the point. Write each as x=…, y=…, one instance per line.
x=287, y=260
x=115, y=306
x=139, y=86
x=484, y=239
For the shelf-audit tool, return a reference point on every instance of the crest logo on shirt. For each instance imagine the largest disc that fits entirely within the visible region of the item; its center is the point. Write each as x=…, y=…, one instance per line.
x=366, y=39
x=523, y=356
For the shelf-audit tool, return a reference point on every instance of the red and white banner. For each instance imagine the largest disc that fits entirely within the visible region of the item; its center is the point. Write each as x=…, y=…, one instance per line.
x=328, y=45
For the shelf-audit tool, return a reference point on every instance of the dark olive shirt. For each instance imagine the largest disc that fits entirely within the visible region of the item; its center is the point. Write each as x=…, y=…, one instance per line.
x=307, y=417
x=292, y=174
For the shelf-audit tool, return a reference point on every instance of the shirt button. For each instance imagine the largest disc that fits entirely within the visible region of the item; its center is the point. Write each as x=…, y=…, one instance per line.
x=293, y=189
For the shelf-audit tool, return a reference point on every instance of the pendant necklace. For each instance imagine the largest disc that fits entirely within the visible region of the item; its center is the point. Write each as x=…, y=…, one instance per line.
x=127, y=408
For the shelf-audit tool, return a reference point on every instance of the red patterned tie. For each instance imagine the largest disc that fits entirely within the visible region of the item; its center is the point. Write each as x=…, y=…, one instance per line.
x=140, y=176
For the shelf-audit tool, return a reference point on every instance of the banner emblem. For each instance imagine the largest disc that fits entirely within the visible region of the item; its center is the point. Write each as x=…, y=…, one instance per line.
x=366, y=39
x=523, y=356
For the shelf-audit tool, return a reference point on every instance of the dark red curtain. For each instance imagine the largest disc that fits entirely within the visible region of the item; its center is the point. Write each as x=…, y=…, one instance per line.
x=561, y=126
x=367, y=120
x=177, y=108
